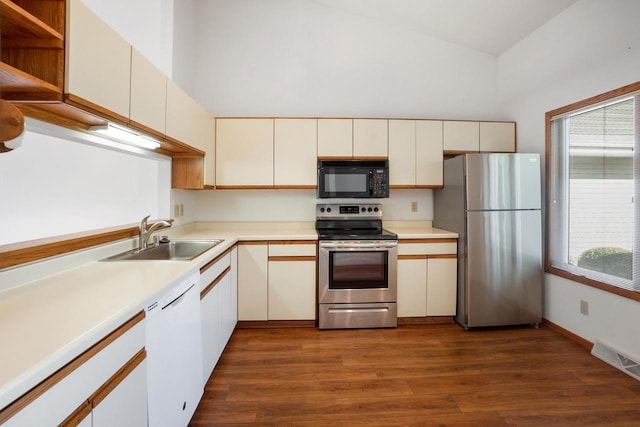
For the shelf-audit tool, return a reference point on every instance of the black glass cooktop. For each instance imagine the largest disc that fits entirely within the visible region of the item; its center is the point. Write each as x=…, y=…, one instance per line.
x=356, y=234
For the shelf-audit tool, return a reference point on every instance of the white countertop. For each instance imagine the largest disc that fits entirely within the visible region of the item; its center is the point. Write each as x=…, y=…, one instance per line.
x=46, y=323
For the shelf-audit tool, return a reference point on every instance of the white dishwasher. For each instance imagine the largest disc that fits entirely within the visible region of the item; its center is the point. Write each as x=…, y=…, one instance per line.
x=174, y=355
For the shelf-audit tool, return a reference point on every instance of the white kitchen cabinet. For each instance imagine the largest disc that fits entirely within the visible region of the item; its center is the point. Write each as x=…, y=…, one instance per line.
x=370, y=138
x=498, y=137
x=148, y=94
x=252, y=281
x=98, y=61
x=427, y=277
x=441, y=290
x=415, y=153
x=429, y=153
x=244, y=153
x=107, y=381
x=295, y=153
x=412, y=287
x=335, y=138
x=461, y=136
x=292, y=281
x=402, y=153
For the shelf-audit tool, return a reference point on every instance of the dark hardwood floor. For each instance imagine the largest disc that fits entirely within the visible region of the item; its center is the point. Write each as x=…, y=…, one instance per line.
x=431, y=375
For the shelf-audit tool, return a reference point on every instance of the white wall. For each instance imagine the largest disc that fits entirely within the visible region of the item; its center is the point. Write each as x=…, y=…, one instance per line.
x=299, y=205
x=591, y=48
x=300, y=58
x=53, y=184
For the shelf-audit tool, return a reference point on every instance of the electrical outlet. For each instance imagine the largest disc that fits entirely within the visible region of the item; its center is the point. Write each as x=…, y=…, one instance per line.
x=181, y=209
x=414, y=206
x=176, y=210
x=584, y=307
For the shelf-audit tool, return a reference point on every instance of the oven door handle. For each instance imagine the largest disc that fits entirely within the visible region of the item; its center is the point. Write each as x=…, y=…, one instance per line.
x=359, y=245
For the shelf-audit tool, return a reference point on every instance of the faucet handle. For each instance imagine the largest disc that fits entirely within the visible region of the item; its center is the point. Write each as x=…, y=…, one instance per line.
x=143, y=223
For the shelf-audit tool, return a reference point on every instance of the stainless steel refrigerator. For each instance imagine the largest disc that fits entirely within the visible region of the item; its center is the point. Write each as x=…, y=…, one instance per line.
x=493, y=202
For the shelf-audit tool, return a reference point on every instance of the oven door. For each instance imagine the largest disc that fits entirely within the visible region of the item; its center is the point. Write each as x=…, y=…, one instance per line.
x=357, y=271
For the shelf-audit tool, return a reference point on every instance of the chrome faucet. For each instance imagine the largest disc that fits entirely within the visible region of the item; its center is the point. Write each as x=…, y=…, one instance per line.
x=143, y=239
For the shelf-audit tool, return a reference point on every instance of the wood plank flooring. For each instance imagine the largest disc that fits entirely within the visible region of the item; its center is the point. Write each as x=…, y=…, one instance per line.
x=428, y=375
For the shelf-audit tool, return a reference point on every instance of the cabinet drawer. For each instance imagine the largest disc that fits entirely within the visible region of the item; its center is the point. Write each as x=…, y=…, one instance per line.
x=421, y=247
x=208, y=273
x=292, y=249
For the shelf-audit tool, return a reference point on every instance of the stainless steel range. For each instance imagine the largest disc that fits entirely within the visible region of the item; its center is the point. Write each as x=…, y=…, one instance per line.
x=357, y=267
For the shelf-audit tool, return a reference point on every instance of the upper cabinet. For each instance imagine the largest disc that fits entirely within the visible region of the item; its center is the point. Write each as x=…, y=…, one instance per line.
x=415, y=153
x=295, y=153
x=473, y=137
x=461, y=136
x=244, y=153
x=352, y=138
x=498, y=137
x=335, y=138
x=32, y=60
x=370, y=138
x=148, y=105
x=98, y=71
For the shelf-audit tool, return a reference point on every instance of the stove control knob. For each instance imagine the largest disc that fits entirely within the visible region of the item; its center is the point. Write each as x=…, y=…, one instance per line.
x=322, y=210
x=329, y=210
x=369, y=209
x=363, y=209
x=375, y=209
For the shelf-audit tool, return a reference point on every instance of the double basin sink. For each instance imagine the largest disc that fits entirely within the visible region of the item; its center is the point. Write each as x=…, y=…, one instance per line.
x=178, y=250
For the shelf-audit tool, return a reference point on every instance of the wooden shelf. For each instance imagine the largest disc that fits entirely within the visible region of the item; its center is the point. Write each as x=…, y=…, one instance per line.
x=16, y=84
x=17, y=23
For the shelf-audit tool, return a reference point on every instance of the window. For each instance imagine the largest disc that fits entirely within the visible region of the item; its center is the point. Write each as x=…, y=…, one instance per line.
x=593, y=148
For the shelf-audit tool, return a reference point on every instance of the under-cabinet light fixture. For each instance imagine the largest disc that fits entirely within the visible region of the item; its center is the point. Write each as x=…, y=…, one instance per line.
x=122, y=134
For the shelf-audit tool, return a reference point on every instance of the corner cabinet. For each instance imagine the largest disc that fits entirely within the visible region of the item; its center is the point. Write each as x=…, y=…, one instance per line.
x=427, y=277
x=104, y=386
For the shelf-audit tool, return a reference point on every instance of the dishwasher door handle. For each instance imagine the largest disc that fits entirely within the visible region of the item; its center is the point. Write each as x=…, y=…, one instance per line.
x=178, y=299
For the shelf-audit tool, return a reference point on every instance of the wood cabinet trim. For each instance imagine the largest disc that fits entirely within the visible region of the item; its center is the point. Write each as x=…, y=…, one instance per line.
x=77, y=416
x=214, y=282
x=99, y=395
x=292, y=258
x=27, y=398
x=215, y=260
x=438, y=240
x=292, y=242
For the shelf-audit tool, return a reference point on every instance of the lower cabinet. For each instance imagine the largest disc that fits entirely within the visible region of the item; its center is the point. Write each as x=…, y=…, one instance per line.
x=427, y=277
x=277, y=280
x=218, y=306
x=104, y=386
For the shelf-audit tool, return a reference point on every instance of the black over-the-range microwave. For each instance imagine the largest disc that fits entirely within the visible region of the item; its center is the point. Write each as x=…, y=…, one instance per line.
x=353, y=179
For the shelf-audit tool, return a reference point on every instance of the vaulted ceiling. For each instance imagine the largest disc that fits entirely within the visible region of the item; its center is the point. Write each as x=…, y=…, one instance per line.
x=490, y=26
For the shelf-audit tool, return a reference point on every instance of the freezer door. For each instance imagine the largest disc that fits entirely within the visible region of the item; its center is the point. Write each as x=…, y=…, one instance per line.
x=503, y=269
x=503, y=181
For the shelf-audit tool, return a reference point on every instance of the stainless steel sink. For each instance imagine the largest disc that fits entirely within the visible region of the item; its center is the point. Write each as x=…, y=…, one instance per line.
x=177, y=250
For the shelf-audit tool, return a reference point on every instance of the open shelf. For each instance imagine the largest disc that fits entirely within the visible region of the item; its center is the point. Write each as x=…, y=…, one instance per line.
x=18, y=23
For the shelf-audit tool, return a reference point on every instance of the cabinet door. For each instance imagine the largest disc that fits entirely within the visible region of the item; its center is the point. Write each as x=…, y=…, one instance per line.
x=441, y=286
x=295, y=153
x=292, y=290
x=244, y=153
x=148, y=94
x=210, y=332
x=98, y=61
x=370, y=138
x=498, y=137
x=429, y=157
x=226, y=321
x=335, y=138
x=461, y=136
x=402, y=153
x=252, y=282
x=181, y=112
x=412, y=287
x=125, y=405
